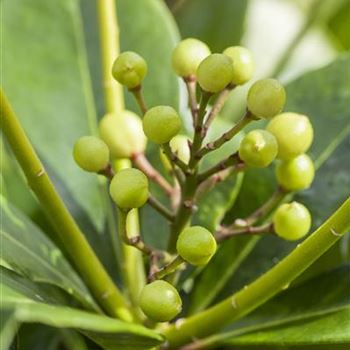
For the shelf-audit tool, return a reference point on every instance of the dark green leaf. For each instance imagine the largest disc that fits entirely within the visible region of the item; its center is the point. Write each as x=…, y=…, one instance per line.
x=8, y=328
x=218, y=23
x=29, y=252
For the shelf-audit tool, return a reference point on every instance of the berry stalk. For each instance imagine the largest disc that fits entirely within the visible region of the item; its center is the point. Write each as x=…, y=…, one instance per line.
x=265, y=287
x=79, y=250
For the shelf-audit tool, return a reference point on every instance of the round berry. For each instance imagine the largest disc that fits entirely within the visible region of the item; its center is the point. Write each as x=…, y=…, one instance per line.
x=91, y=154
x=292, y=221
x=243, y=64
x=258, y=148
x=187, y=56
x=196, y=245
x=123, y=134
x=179, y=146
x=129, y=69
x=296, y=174
x=215, y=72
x=266, y=98
x=161, y=124
x=294, y=134
x=160, y=301
x=129, y=188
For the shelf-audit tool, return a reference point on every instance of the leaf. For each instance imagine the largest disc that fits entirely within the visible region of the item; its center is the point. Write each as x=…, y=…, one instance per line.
x=109, y=333
x=218, y=23
x=8, y=328
x=323, y=95
x=29, y=252
x=53, y=99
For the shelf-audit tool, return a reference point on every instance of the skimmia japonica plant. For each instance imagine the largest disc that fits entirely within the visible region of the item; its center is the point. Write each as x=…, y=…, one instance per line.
x=169, y=297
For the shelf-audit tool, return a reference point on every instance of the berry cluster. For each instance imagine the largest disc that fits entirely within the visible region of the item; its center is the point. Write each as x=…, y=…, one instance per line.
x=285, y=140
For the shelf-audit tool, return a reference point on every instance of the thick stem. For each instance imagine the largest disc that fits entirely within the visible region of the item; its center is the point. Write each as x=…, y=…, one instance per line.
x=83, y=257
x=265, y=287
x=153, y=174
x=160, y=208
x=227, y=136
x=109, y=39
x=138, y=94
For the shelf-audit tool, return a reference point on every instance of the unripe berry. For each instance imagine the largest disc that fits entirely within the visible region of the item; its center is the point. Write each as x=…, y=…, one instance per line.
x=294, y=134
x=129, y=69
x=215, y=72
x=243, y=64
x=258, y=148
x=91, y=153
x=123, y=134
x=196, y=245
x=129, y=188
x=266, y=98
x=296, y=174
x=179, y=146
x=292, y=221
x=187, y=56
x=161, y=124
x=160, y=301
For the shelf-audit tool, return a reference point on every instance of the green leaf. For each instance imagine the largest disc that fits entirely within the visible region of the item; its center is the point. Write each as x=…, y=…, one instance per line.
x=47, y=81
x=8, y=328
x=218, y=23
x=29, y=252
x=105, y=331
x=323, y=95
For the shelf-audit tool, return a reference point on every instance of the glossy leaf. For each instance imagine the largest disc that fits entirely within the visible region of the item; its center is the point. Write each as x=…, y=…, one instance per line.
x=323, y=95
x=109, y=333
x=29, y=252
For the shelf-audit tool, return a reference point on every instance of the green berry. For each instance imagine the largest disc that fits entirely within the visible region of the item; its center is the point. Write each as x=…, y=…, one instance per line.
x=294, y=134
x=258, y=148
x=91, y=154
x=129, y=69
x=187, y=56
x=161, y=124
x=160, y=301
x=129, y=188
x=123, y=134
x=266, y=98
x=296, y=174
x=179, y=146
x=196, y=245
x=243, y=64
x=292, y=221
x=215, y=72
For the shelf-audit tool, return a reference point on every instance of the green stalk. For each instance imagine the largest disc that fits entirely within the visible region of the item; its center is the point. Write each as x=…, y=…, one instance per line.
x=84, y=258
x=265, y=287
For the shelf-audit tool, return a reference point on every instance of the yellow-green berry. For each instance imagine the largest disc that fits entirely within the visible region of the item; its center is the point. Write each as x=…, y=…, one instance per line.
x=215, y=73
x=196, y=245
x=292, y=221
x=243, y=64
x=91, y=153
x=129, y=188
x=266, y=98
x=187, y=56
x=161, y=124
x=294, y=134
x=296, y=174
x=129, y=69
x=179, y=146
x=258, y=148
x=160, y=301
x=123, y=134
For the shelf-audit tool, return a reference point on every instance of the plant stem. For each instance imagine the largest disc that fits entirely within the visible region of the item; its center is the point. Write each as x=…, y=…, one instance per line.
x=227, y=136
x=109, y=39
x=161, y=209
x=138, y=94
x=79, y=250
x=264, y=288
x=174, y=159
x=167, y=269
x=192, y=98
x=154, y=175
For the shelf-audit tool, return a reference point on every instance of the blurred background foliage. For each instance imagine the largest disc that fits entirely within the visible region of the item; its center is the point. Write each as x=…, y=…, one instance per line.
x=51, y=72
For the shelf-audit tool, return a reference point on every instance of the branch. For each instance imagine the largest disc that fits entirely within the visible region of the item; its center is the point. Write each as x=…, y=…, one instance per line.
x=192, y=99
x=174, y=159
x=265, y=287
x=161, y=209
x=167, y=269
x=138, y=94
x=75, y=243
